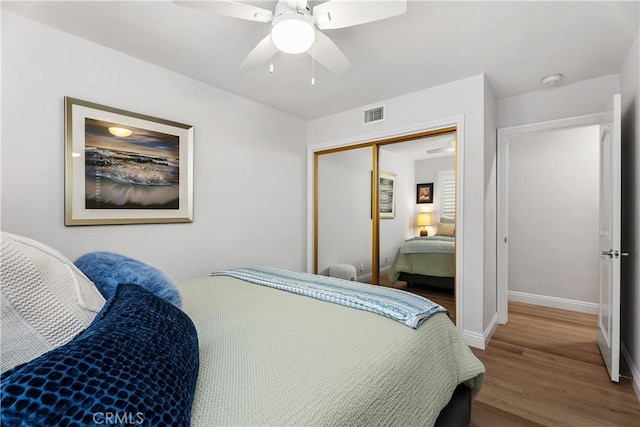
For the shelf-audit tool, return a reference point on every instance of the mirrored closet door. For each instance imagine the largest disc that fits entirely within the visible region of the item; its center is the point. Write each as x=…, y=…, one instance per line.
x=373, y=197
x=343, y=217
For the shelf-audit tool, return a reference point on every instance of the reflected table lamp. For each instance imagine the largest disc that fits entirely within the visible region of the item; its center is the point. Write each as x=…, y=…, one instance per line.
x=424, y=219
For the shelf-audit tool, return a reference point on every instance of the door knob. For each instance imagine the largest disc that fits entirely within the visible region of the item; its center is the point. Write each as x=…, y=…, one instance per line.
x=609, y=253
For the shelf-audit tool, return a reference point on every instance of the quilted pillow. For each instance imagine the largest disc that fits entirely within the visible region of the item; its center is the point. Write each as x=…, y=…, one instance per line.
x=446, y=230
x=46, y=301
x=108, y=269
x=137, y=363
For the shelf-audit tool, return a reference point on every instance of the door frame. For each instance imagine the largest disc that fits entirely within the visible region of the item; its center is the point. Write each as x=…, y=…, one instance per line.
x=504, y=138
x=392, y=134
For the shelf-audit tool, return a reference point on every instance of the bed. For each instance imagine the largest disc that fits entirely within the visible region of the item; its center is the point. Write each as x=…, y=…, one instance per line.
x=241, y=351
x=428, y=260
x=344, y=366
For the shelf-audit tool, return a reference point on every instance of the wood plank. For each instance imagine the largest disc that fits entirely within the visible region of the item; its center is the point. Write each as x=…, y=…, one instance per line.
x=544, y=368
x=486, y=415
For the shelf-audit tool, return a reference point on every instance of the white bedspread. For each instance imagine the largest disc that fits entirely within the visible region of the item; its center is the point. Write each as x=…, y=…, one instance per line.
x=269, y=357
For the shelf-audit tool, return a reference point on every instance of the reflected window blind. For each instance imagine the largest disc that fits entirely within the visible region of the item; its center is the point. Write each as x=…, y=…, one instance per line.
x=447, y=185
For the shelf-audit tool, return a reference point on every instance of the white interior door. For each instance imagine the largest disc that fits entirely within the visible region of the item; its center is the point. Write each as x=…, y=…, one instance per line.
x=609, y=315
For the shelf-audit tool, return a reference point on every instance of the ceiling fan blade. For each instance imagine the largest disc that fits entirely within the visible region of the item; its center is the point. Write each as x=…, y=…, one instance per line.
x=230, y=8
x=339, y=14
x=328, y=54
x=260, y=54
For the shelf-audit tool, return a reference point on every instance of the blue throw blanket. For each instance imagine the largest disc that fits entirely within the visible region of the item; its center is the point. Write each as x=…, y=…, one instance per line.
x=136, y=364
x=405, y=307
x=428, y=245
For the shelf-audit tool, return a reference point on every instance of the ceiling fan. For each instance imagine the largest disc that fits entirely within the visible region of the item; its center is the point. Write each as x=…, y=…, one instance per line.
x=295, y=28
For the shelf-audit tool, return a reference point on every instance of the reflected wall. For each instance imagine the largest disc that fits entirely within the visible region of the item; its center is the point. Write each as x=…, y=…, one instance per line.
x=344, y=210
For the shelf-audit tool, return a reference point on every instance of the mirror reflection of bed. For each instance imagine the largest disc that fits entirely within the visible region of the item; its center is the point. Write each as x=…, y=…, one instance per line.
x=420, y=258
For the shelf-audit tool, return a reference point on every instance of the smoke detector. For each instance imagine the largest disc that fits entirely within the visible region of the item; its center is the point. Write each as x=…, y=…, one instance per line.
x=552, y=79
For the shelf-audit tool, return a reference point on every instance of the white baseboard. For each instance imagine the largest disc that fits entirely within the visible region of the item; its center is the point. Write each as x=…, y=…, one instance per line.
x=554, y=302
x=474, y=339
x=366, y=277
x=635, y=374
x=490, y=329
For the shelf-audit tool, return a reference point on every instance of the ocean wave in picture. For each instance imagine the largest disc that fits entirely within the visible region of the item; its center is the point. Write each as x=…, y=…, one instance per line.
x=104, y=193
x=133, y=168
x=130, y=168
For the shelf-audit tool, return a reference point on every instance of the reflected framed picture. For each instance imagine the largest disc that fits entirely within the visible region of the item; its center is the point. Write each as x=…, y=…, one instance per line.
x=125, y=168
x=424, y=193
x=386, y=195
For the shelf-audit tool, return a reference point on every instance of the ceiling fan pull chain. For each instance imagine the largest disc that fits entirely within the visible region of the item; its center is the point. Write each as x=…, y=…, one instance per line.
x=313, y=65
x=271, y=57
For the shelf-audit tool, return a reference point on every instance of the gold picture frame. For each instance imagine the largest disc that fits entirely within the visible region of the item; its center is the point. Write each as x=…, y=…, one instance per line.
x=125, y=168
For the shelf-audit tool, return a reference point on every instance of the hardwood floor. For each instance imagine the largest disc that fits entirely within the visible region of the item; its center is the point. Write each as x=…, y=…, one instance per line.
x=544, y=368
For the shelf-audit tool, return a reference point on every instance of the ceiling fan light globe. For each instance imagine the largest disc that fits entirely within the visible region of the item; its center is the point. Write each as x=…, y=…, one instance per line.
x=293, y=33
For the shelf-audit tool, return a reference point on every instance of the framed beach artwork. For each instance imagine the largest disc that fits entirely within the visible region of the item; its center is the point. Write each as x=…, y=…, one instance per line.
x=386, y=195
x=125, y=168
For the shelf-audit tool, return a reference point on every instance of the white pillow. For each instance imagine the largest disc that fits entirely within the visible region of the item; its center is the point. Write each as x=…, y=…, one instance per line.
x=46, y=301
x=446, y=230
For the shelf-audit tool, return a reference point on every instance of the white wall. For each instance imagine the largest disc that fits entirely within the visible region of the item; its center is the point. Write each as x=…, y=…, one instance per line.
x=630, y=266
x=249, y=159
x=407, y=114
x=427, y=172
x=553, y=214
x=490, y=199
x=394, y=231
x=344, y=210
x=578, y=99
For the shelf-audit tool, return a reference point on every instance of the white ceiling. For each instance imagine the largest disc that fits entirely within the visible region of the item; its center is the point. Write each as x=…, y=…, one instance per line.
x=514, y=43
x=417, y=149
